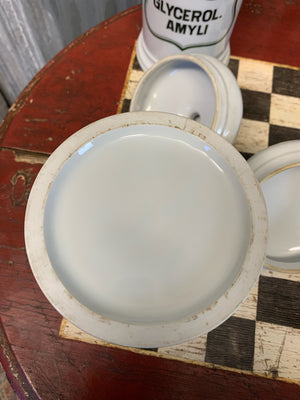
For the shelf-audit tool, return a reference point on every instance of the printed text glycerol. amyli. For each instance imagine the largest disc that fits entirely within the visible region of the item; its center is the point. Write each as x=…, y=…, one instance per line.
x=192, y=22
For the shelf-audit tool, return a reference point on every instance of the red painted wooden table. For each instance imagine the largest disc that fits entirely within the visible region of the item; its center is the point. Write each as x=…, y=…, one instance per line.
x=81, y=84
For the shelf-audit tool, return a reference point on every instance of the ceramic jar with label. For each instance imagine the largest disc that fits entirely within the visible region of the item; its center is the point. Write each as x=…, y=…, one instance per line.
x=191, y=26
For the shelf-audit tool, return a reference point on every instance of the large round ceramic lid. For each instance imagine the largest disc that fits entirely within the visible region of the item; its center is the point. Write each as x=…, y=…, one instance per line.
x=146, y=229
x=278, y=170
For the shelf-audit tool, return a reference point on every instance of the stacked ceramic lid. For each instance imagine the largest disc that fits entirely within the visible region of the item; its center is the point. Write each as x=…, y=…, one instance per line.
x=278, y=170
x=199, y=87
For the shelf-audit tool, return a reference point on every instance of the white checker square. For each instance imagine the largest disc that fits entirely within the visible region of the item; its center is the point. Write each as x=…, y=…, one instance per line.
x=277, y=351
x=255, y=75
x=194, y=350
x=136, y=75
x=247, y=310
x=130, y=89
x=253, y=136
x=285, y=111
x=295, y=277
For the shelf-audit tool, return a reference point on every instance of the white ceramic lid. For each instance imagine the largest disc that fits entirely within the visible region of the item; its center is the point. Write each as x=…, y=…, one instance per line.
x=195, y=86
x=146, y=229
x=278, y=170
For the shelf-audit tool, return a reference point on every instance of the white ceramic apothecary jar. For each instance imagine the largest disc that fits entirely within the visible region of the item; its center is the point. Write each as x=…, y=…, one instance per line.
x=186, y=26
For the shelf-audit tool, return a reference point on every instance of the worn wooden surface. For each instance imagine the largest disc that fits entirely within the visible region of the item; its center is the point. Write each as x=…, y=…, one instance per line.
x=82, y=84
x=268, y=30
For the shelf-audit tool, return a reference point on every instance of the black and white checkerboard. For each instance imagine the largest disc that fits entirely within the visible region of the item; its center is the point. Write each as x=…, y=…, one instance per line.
x=263, y=336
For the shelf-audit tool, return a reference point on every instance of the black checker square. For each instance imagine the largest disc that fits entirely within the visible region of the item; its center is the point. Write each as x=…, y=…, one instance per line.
x=126, y=105
x=246, y=155
x=286, y=81
x=233, y=65
x=279, y=134
x=232, y=344
x=256, y=105
x=279, y=302
x=136, y=66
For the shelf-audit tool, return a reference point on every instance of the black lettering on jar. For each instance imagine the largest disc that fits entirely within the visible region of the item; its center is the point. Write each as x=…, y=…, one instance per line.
x=202, y=30
x=169, y=9
x=207, y=15
x=186, y=15
x=178, y=12
x=196, y=15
